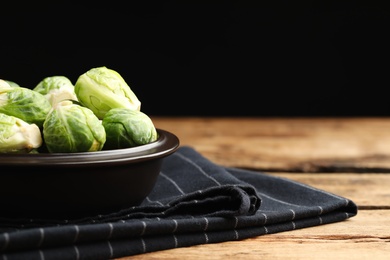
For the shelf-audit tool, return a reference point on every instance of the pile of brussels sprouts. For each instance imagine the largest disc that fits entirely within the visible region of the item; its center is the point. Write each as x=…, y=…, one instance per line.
x=98, y=112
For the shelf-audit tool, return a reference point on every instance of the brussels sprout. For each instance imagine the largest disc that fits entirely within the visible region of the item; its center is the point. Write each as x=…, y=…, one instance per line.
x=56, y=89
x=101, y=89
x=18, y=136
x=127, y=128
x=24, y=103
x=4, y=84
x=12, y=84
x=70, y=127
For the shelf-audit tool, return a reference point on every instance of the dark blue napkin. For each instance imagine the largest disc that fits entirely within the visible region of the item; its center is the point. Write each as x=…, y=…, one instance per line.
x=193, y=202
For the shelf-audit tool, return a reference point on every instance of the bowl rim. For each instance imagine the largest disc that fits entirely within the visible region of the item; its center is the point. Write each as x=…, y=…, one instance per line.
x=166, y=144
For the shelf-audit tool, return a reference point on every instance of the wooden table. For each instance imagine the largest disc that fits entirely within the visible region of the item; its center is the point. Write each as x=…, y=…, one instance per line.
x=346, y=156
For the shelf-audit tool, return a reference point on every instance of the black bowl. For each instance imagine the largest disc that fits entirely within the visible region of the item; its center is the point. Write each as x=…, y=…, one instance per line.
x=73, y=185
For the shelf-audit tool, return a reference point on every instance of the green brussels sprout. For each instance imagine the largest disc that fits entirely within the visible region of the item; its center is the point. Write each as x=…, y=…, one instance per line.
x=56, y=89
x=128, y=128
x=24, y=103
x=4, y=84
x=70, y=128
x=101, y=89
x=12, y=83
x=18, y=136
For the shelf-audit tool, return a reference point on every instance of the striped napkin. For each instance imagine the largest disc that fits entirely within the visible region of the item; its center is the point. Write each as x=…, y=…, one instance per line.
x=193, y=202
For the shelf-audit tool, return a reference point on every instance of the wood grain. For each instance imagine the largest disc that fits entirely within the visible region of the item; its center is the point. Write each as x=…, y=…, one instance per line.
x=365, y=236
x=288, y=144
x=349, y=157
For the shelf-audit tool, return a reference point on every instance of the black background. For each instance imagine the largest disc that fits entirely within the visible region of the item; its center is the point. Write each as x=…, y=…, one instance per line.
x=212, y=58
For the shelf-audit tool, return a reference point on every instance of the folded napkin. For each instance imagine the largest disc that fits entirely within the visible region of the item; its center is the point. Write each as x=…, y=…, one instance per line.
x=193, y=202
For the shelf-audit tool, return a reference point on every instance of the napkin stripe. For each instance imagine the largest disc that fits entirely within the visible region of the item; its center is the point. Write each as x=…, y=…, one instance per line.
x=76, y=251
x=42, y=233
x=41, y=255
x=6, y=241
x=175, y=227
x=173, y=182
x=153, y=201
x=111, y=249
x=144, y=228
x=293, y=213
x=143, y=245
x=111, y=227
x=206, y=224
x=265, y=230
x=77, y=232
x=197, y=167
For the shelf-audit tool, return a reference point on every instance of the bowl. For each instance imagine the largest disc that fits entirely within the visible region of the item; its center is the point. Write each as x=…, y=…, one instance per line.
x=75, y=185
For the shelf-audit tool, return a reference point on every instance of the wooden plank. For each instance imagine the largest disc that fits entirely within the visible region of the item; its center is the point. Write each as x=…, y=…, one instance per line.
x=346, y=156
x=288, y=144
x=365, y=236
